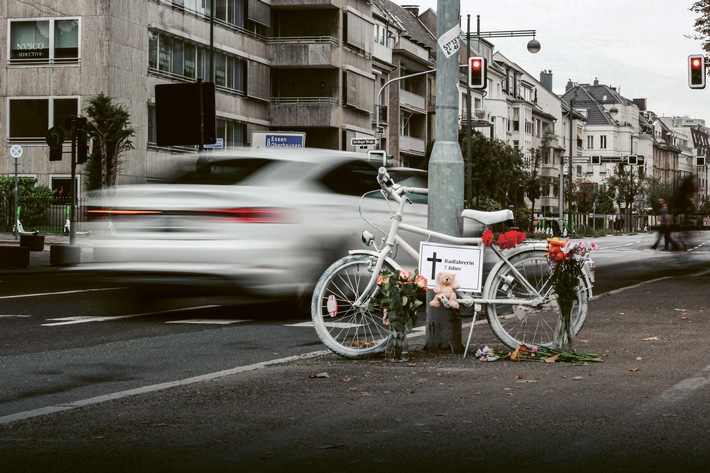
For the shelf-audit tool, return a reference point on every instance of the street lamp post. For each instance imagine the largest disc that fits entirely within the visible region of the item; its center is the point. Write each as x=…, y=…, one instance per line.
x=378, y=101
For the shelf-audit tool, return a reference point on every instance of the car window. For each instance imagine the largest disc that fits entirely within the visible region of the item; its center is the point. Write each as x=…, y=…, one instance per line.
x=351, y=178
x=223, y=172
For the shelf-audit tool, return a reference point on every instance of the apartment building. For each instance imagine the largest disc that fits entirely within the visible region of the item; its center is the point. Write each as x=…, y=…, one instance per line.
x=286, y=65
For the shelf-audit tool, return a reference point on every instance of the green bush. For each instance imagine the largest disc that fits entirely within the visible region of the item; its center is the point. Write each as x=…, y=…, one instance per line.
x=33, y=201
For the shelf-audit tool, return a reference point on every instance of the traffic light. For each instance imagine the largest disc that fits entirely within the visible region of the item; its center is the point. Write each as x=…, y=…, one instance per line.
x=700, y=160
x=596, y=159
x=696, y=71
x=633, y=160
x=477, y=73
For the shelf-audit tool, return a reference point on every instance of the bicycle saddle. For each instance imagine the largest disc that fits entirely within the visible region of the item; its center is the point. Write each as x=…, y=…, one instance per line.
x=488, y=218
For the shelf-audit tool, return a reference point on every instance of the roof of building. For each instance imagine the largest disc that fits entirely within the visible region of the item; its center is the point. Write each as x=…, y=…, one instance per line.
x=413, y=28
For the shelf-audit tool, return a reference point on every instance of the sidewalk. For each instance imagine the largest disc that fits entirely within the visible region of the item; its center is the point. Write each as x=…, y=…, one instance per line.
x=40, y=260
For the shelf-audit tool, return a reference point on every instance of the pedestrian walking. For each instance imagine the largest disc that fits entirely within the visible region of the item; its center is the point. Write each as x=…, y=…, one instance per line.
x=664, y=229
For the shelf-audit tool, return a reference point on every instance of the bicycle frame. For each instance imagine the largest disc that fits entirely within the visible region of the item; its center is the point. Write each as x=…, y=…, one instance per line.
x=394, y=240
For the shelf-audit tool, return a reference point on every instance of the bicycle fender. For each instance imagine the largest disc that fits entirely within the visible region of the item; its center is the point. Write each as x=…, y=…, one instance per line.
x=375, y=254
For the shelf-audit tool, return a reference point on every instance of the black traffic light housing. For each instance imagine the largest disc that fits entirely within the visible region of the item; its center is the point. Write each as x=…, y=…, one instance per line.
x=596, y=159
x=81, y=146
x=477, y=72
x=696, y=71
x=700, y=160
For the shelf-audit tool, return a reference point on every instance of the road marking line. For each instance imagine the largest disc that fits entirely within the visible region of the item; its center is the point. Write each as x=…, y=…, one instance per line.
x=677, y=392
x=155, y=387
x=90, y=318
x=58, y=293
x=9, y=316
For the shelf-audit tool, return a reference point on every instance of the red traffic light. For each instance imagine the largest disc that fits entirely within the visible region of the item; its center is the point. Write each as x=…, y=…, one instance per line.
x=696, y=71
x=477, y=73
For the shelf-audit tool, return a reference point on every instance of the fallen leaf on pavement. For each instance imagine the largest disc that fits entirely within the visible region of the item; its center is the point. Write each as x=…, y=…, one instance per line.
x=635, y=369
x=649, y=339
x=552, y=359
x=578, y=378
x=320, y=375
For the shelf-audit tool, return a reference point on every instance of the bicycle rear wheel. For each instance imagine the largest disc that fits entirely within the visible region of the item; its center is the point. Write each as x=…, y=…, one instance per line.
x=349, y=329
x=531, y=325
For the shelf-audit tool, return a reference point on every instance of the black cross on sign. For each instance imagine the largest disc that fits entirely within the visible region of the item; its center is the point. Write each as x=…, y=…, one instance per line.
x=434, y=260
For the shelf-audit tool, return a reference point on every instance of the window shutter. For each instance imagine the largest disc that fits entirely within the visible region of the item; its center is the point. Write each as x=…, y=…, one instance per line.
x=259, y=12
x=359, y=32
x=258, y=80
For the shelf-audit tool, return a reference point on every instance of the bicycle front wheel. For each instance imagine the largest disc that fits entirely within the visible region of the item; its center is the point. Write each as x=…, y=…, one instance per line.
x=345, y=326
x=527, y=323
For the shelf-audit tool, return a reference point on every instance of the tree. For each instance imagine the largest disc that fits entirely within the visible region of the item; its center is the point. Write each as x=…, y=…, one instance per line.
x=702, y=23
x=626, y=185
x=109, y=127
x=497, y=171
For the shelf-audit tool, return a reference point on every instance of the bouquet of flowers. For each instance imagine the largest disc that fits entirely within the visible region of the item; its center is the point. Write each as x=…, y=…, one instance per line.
x=567, y=260
x=399, y=296
x=506, y=240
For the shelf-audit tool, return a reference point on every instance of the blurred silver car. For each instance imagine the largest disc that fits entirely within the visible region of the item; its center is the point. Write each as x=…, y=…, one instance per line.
x=264, y=223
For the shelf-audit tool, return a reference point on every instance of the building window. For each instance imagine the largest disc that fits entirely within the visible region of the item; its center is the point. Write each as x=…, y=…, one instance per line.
x=46, y=41
x=30, y=118
x=602, y=142
x=380, y=32
x=590, y=142
x=176, y=58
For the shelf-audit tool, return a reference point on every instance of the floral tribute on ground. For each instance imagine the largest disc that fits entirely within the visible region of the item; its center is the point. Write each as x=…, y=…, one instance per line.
x=399, y=296
x=540, y=354
x=567, y=260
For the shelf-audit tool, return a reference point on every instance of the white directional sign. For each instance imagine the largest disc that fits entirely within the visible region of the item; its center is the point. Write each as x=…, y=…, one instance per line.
x=16, y=151
x=362, y=141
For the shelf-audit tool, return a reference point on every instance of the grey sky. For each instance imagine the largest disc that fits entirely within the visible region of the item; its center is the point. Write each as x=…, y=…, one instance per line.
x=637, y=46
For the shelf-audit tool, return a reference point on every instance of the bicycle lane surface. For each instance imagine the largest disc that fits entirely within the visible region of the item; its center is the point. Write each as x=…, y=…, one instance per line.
x=644, y=408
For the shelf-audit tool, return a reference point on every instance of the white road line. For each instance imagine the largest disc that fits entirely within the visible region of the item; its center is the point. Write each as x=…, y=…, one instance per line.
x=155, y=387
x=85, y=319
x=677, y=392
x=9, y=316
x=58, y=293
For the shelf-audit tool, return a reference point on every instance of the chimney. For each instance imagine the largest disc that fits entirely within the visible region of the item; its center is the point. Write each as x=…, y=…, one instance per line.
x=570, y=84
x=413, y=9
x=641, y=104
x=546, y=79
x=596, y=81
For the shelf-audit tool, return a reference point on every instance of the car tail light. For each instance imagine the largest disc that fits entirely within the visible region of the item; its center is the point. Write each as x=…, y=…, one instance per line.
x=249, y=214
x=243, y=214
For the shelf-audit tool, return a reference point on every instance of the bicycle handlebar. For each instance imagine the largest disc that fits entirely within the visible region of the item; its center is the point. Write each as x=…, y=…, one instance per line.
x=395, y=190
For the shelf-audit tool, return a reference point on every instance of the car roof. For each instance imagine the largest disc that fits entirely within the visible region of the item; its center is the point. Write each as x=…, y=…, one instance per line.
x=312, y=155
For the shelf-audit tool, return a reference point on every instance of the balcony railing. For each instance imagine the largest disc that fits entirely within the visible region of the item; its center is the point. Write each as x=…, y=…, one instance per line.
x=412, y=100
x=412, y=145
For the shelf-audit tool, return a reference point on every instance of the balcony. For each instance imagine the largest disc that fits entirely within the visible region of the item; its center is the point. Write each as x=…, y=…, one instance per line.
x=480, y=116
x=305, y=51
x=412, y=101
x=304, y=111
x=548, y=170
x=413, y=49
x=411, y=145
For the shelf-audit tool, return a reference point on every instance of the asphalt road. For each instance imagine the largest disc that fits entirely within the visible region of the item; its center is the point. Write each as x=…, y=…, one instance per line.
x=644, y=408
